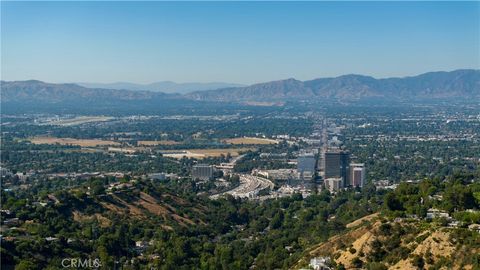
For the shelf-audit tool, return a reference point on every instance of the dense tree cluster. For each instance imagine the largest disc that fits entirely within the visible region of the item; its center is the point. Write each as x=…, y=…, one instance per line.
x=228, y=234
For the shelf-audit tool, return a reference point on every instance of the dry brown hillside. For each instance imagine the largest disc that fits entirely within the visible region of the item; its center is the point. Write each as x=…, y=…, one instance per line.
x=399, y=244
x=134, y=204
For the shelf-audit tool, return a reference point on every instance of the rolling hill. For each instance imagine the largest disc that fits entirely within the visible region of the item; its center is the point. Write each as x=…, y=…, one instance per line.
x=38, y=91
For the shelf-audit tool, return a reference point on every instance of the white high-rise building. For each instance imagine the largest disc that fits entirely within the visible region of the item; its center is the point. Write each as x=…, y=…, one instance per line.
x=357, y=174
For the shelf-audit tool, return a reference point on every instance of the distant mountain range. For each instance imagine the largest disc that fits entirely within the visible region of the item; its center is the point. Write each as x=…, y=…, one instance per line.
x=432, y=85
x=38, y=91
x=165, y=86
x=459, y=84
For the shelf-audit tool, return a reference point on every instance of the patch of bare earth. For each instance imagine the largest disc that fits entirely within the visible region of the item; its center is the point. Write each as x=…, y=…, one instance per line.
x=435, y=246
x=102, y=221
x=438, y=244
x=144, y=204
x=333, y=244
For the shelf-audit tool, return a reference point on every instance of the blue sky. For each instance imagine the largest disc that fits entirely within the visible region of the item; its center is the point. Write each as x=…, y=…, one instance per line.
x=239, y=42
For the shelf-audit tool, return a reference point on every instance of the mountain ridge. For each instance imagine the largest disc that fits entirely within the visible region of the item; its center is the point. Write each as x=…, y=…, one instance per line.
x=38, y=91
x=464, y=83
x=458, y=84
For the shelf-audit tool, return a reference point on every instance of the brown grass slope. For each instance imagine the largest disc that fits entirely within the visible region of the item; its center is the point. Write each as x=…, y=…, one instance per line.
x=405, y=244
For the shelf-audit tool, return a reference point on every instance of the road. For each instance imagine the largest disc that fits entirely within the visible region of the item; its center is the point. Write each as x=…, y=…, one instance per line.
x=249, y=187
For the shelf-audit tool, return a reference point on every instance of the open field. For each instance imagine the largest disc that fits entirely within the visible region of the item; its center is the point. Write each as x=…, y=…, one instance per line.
x=203, y=153
x=71, y=141
x=250, y=140
x=153, y=143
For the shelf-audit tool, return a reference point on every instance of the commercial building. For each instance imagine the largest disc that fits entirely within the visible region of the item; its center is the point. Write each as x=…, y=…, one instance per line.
x=22, y=176
x=337, y=166
x=5, y=172
x=306, y=165
x=357, y=174
x=333, y=184
x=278, y=174
x=202, y=171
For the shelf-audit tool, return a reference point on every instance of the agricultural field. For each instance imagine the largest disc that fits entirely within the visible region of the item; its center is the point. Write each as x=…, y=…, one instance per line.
x=71, y=141
x=250, y=140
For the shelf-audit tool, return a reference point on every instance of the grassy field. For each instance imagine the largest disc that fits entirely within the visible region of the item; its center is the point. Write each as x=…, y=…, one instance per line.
x=70, y=141
x=250, y=140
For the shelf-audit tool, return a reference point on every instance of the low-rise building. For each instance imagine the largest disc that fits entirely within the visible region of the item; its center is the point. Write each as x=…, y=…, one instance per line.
x=11, y=222
x=202, y=171
x=5, y=172
x=435, y=213
x=23, y=176
x=333, y=184
x=157, y=176
x=474, y=227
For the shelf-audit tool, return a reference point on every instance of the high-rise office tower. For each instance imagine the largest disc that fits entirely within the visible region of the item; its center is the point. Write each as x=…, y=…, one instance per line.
x=306, y=165
x=337, y=166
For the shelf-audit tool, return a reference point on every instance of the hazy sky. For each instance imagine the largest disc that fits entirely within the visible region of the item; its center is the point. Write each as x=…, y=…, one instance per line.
x=239, y=42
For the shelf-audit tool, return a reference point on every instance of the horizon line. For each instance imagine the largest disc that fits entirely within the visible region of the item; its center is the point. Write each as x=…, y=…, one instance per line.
x=244, y=84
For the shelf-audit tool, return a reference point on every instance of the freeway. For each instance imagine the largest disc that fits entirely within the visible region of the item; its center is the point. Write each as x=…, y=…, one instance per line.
x=249, y=187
